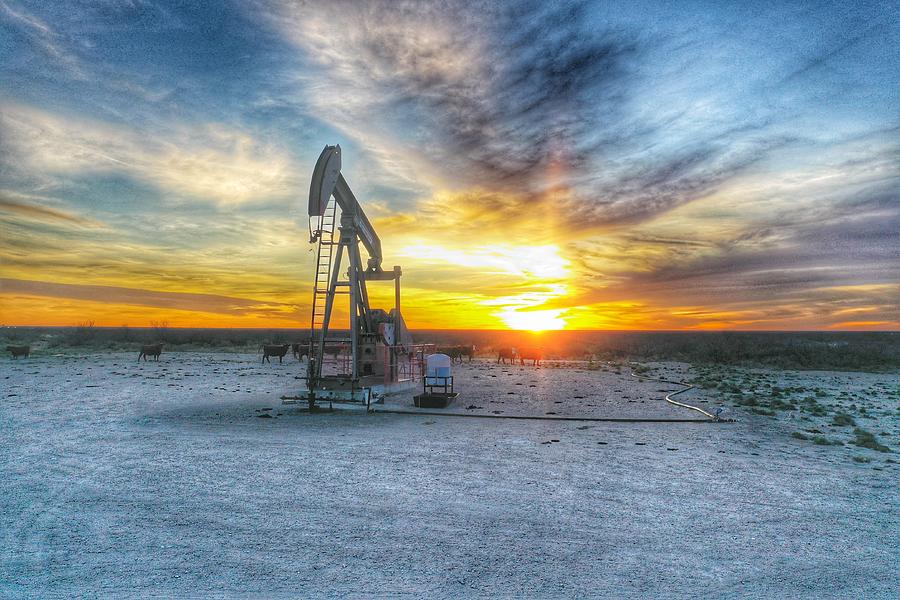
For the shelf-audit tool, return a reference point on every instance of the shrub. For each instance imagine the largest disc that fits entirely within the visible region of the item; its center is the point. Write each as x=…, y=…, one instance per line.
x=821, y=440
x=865, y=439
x=810, y=405
x=781, y=405
x=843, y=420
x=82, y=334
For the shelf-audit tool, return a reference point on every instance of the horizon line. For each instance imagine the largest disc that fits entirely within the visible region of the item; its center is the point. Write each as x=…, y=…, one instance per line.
x=174, y=327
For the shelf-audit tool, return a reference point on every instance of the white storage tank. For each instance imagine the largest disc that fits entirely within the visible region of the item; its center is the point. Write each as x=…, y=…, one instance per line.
x=437, y=365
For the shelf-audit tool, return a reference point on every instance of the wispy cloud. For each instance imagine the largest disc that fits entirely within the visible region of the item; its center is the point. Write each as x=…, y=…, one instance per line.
x=44, y=37
x=22, y=205
x=209, y=161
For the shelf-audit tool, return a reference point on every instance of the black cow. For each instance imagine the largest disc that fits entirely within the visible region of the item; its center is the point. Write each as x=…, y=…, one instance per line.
x=535, y=355
x=504, y=354
x=18, y=351
x=299, y=350
x=458, y=352
x=153, y=350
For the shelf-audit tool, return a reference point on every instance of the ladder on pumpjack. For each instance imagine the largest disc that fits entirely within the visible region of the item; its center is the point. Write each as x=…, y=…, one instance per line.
x=324, y=234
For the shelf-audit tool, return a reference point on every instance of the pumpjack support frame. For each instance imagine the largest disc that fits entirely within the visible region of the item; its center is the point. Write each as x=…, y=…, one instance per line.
x=382, y=357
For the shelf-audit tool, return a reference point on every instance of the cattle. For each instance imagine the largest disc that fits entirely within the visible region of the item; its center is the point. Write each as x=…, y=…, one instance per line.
x=535, y=355
x=458, y=352
x=278, y=350
x=18, y=351
x=334, y=351
x=299, y=350
x=467, y=350
x=504, y=354
x=153, y=350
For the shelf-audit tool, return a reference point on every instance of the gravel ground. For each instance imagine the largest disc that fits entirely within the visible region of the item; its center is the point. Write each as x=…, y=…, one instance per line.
x=561, y=389
x=121, y=479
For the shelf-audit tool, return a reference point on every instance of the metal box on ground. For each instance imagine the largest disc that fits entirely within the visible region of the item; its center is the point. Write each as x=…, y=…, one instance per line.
x=437, y=384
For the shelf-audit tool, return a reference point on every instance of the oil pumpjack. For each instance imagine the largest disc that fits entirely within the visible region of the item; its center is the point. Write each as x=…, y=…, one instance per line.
x=375, y=356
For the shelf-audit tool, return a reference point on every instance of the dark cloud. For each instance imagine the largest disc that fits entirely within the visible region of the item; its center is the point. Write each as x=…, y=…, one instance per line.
x=546, y=104
x=789, y=258
x=828, y=52
x=647, y=190
x=547, y=91
x=550, y=96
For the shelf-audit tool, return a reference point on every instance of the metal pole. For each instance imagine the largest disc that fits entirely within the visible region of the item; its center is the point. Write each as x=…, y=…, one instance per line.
x=397, y=319
x=354, y=309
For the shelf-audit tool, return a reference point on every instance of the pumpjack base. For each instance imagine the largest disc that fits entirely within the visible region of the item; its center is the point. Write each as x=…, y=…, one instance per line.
x=362, y=393
x=434, y=400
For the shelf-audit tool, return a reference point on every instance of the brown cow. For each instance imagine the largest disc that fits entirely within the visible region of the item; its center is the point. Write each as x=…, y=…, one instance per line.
x=18, y=351
x=153, y=350
x=504, y=354
x=535, y=355
x=278, y=350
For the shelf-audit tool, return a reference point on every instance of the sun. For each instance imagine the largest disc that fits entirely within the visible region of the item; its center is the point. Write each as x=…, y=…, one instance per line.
x=533, y=320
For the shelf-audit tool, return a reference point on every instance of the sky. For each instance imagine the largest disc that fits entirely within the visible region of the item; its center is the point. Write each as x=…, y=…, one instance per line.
x=530, y=165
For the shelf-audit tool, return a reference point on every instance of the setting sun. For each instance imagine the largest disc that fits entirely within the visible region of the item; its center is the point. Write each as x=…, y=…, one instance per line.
x=533, y=320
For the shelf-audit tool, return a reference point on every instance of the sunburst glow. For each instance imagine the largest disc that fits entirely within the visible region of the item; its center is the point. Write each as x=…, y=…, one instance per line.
x=533, y=320
x=537, y=270
x=533, y=262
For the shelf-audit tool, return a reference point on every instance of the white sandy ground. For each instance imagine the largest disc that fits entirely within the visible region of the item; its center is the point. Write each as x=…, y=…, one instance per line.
x=120, y=479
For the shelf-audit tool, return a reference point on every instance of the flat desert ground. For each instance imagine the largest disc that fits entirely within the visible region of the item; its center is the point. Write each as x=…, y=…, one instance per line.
x=189, y=478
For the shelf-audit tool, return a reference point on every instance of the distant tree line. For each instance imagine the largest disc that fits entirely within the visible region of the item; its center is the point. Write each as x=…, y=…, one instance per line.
x=795, y=350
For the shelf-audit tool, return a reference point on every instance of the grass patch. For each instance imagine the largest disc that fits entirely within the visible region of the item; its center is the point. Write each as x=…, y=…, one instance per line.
x=821, y=440
x=810, y=405
x=781, y=405
x=865, y=439
x=843, y=420
x=729, y=388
